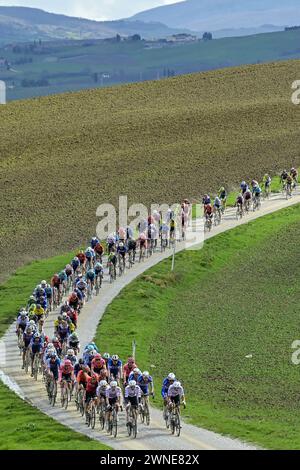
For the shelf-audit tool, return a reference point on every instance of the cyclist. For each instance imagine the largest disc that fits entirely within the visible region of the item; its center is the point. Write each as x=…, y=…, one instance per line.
x=82, y=259
x=113, y=397
x=142, y=240
x=254, y=184
x=283, y=178
x=75, y=263
x=115, y=368
x=99, y=250
x=167, y=382
x=217, y=206
x=294, y=175
x=57, y=344
x=112, y=262
x=63, y=332
x=223, y=196
x=78, y=367
x=133, y=395
x=66, y=374
x=206, y=200
x=27, y=338
x=145, y=382
x=94, y=242
x=53, y=364
x=208, y=212
x=90, y=257
x=83, y=375
x=22, y=322
x=176, y=395
x=99, y=272
x=128, y=368
x=38, y=312
x=121, y=252
x=135, y=374
x=36, y=347
x=90, y=277
x=267, y=180
x=240, y=203
x=71, y=357
x=244, y=186
x=256, y=192
x=98, y=366
x=90, y=391
x=172, y=228
x=111, y=240
x=92, y=345
x=247, y=199
x=49, y=295
x=74, y=343
x=74, y=301
x=31, y=301
x=88, y=356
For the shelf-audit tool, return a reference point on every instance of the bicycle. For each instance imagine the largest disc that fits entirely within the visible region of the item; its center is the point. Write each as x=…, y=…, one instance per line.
x=102, y=414
x=142, y=253
x=27, y=360
x=112, y=272
x=239, y=212
x=79, y=400
x=144, y=410
x=208, y=224
x=256, y=203
x=132, y=423
x=91, y=413
x=52, y=390
x=112, y=425
x=174, y=419
x=36, y=364
x=217, y=217
x=20, y=340
x=65, y=395
x=288, y=191
x=98, y=283
x=121, y=260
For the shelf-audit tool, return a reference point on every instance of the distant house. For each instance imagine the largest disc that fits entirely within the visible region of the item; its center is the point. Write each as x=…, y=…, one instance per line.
x=291, y=28
x=182, y=38
x=3, y=63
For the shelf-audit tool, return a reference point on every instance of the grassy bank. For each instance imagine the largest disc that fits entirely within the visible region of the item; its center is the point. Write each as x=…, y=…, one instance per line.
x=180, y=137
x=25, y=428
x=237, y=297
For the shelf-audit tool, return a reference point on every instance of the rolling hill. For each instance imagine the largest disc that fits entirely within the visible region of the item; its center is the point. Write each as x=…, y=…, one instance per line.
x=60, y=66
x=203, y=15
x=62, y=156
x=19, y=24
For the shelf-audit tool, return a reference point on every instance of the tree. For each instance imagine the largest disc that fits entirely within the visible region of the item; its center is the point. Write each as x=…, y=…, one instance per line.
x=118, y=38
x=207, y=36
x=136, y=37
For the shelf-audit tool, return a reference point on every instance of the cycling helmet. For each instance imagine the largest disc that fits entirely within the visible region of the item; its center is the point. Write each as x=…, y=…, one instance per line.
x=146, y=374
x=23, y=313
x=132, y=383
x=130, y=360
x=54, y=339
x=243, y=183
x=222, y=189
x=67, y=363
x=37, y=335
x=50, y=346
x=32, y=297
x=70, y=352
x=136, y=370
x=59, y=318
x=44, y=283
x=121, y=245
x=97, y=356
x=113, y=384
x=86, y=369
x=53, y=355
x=171, y=376
x=103, y=383
x=115, y=357
x=106, y=355
x=177, y=384
x=74, y=336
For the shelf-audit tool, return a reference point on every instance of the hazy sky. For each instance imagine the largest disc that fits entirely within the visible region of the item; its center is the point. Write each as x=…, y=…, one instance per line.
x=93, y=9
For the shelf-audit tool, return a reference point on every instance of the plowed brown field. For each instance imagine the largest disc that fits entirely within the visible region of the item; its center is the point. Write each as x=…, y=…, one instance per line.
x=62, y=156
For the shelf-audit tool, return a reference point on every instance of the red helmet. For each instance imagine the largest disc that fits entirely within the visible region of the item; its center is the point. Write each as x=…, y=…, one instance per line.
x=68, y=363
x=97, y=357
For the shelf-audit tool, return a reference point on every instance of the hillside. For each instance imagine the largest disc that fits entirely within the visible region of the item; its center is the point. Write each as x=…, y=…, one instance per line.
x=62, y=156
x=21, y=24
x=203, y=15
x=59, y=66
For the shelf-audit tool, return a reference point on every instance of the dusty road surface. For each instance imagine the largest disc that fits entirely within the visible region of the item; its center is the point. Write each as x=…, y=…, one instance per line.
x=156, y=436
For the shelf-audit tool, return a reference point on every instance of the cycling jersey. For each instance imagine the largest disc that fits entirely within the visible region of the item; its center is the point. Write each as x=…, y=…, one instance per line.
x=101, y=391
x=165, y=387
x=114, y=368
x=91, y=275
x=144, y=385
x=91, y=386
x=127, y=370
x=113, y=393
x=133, y=392
x=173, y=392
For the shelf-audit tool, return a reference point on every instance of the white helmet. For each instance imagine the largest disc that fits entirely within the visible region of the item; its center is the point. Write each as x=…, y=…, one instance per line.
x=177, y=384
x=115, y=357
x=171, y=376
x=113, y=384
x=146, y=374
x=132, y=383
x=136, y=370
x=103, y=383
x=70, y=352
x=50, y=346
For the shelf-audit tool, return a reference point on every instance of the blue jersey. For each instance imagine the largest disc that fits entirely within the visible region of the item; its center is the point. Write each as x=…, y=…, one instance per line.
x=91, y=275
x=54, y=366
x=144, y=385
x=94, y=242
x=36, y=347
x=75, y=264
x=114, y=368
x=165, y=387
x=132, y=377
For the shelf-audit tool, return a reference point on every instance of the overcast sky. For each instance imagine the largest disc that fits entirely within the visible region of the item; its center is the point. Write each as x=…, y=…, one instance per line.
x=93, y=9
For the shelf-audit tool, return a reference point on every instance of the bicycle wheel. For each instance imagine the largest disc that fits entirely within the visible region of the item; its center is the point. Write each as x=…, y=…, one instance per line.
x=93, y=416
x=35, y=367
x=102, y=418
x=115, y=423
x=177, y=424
x=134, y=427
x=147, y=414
x=54, y=393
x=27, y=361
x=81, y=405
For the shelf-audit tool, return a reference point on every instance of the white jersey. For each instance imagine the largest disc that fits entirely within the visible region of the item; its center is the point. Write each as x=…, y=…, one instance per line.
x=112, y=393
x=133, y=392
x=175, y=392
x=101, y=391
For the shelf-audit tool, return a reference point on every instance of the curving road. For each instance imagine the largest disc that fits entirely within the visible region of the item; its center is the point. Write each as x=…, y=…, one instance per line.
x=155, y=437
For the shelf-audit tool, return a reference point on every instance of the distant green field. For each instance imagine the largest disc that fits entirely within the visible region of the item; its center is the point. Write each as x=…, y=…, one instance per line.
x=224, y=322
x=71, y=67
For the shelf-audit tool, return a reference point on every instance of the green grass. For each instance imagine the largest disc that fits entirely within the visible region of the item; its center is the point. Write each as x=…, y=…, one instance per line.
x=237, y=296
x=25, y=428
